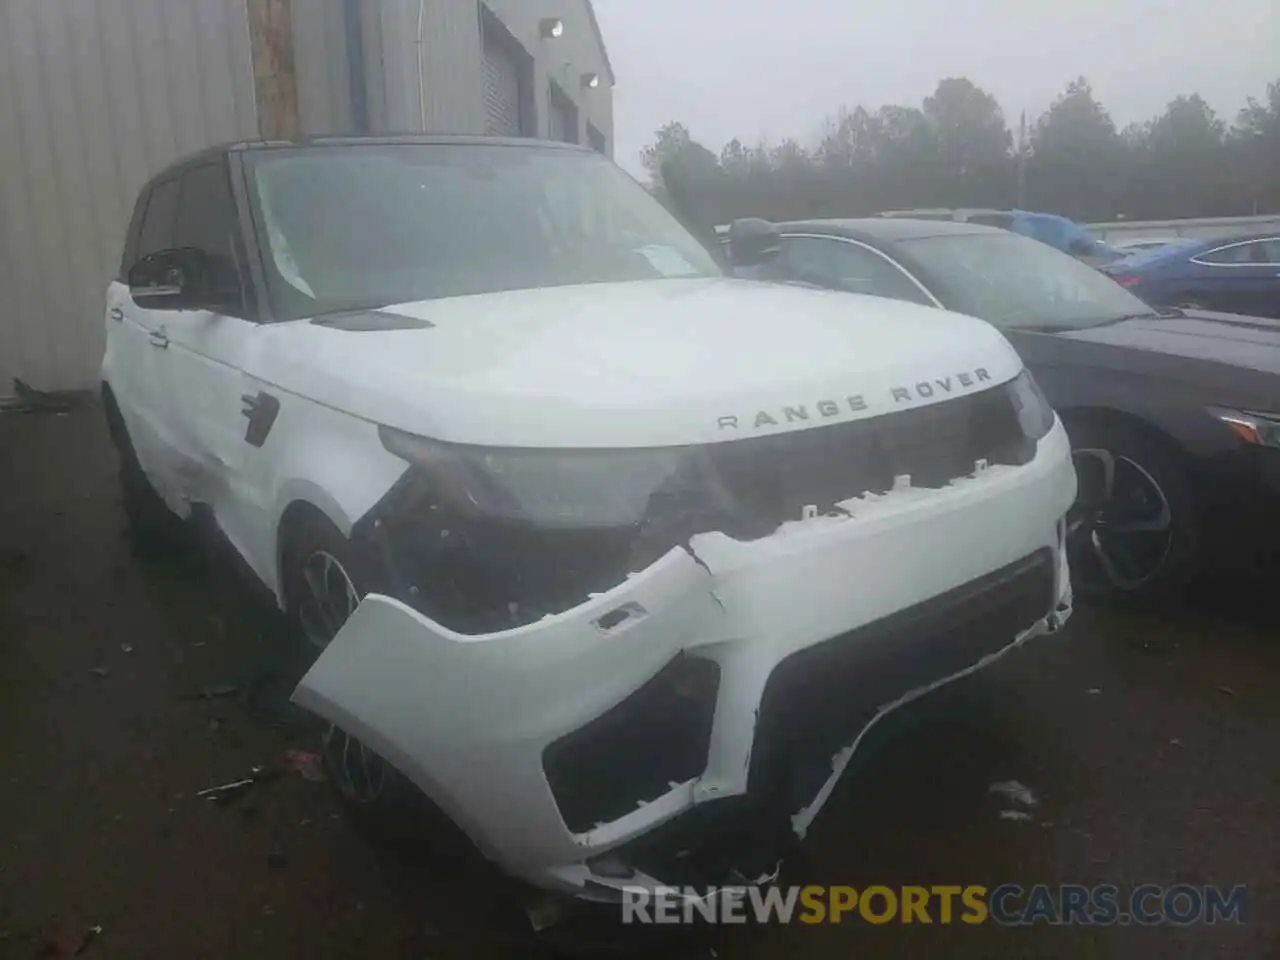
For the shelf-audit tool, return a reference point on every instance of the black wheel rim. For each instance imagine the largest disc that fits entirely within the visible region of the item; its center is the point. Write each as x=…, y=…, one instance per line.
x=1120, y=529
x=329, y=598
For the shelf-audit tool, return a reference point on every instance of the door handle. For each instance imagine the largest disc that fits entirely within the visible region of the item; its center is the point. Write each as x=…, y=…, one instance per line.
x=117, y=314
x=159, y=339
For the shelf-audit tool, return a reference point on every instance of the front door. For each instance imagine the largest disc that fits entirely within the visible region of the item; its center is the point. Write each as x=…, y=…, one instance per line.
x=205, y=355
x=136, y=348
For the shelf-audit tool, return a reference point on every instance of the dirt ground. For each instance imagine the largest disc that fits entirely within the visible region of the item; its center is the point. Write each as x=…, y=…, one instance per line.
x=1152, y=742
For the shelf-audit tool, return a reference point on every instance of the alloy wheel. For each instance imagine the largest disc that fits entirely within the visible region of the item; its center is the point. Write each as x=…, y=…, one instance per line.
x=1120, y=529
x=330, y=598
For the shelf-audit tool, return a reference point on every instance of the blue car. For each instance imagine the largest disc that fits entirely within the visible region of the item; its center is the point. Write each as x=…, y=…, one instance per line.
x=1065, y=235
x=1231, y=274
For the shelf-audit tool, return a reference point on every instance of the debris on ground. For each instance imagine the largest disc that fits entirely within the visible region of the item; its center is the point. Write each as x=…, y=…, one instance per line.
x=547, y=911
x=276, y=859
x=226, y=794
x=212, y=691
x=308, y=765
x=1175, y=742
x=68, y=942
x=126, y=648
x=1093, y=691
x=1226, y=690
x=100, y=671
x=1018, y=815
x=215, y=726
x=1015, y=791
x=30, y=400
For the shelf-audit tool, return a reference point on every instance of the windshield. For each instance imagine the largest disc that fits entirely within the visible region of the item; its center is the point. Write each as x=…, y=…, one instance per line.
x=1011, y=281
x=362, y=226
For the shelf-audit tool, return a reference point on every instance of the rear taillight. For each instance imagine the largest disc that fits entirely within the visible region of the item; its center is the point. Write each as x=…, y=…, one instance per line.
x=1127, y=281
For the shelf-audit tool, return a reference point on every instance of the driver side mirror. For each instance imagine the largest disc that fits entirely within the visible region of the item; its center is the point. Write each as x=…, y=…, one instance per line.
x=176, y=279
x=753, y=241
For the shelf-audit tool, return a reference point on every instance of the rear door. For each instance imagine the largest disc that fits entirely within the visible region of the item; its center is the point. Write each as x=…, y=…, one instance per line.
x=1236, y=278
x=1266, y=293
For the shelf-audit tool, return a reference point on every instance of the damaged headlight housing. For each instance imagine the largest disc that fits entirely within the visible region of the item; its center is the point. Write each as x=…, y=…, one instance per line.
x=1035, y=415
x=547, y=488
x=1258, y=429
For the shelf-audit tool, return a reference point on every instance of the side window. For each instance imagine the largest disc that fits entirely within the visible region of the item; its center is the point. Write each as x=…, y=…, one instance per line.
x=1270, y=251
x=130, y=254
x=808, y=258
x=1235, y=254
x=848, y=266
x=156, y=233
x=206, y=221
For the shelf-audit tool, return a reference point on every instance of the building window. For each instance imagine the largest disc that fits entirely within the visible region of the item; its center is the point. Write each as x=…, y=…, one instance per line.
x=562, y=116
x=596, y=139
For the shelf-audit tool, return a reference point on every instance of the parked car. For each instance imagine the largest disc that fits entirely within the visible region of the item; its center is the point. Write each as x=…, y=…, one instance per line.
x=1128, y=248
x=1061, y=233
x=589, y=538
x=1234, y=274
x=1174, y=415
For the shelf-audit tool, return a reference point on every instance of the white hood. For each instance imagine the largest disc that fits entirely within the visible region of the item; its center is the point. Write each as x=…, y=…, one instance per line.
x=650, y=363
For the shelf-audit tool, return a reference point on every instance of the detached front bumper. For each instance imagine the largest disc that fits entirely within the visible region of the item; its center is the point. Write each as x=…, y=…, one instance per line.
x=728, y=678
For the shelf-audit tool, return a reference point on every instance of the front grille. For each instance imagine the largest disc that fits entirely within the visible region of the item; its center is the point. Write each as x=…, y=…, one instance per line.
x=775, y=477
x=477, y=574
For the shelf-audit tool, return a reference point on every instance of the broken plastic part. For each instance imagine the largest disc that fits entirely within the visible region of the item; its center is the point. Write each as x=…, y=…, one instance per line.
x=618, y=616
x=1013, y=790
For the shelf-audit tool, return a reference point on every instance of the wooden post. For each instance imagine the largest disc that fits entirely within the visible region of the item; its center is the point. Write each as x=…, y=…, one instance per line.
x=275, y=82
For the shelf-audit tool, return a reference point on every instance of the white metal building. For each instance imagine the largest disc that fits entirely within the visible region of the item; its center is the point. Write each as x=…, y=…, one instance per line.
x=97, y=95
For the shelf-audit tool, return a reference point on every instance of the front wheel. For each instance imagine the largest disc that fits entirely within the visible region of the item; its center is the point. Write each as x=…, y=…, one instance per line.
x=1131, y=532
x=325, y=577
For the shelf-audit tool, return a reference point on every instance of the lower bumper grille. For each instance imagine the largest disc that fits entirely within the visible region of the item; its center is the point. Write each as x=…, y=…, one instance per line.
x=815, y=704
x=818, y=699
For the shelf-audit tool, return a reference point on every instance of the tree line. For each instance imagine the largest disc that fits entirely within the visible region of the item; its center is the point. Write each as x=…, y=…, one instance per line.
x=956, y=150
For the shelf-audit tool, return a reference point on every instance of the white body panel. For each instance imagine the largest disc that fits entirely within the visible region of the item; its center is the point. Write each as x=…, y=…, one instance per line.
x=601, y=366
x=468, y=717
x=650, y=363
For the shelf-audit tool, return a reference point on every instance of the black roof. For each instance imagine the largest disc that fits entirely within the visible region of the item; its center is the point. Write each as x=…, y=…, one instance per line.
x=886, y=228
x=345, y=140
x=430, y=139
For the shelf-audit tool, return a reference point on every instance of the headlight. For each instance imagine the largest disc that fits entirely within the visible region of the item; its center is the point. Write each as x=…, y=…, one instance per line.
x=1259, y=429
x=1034, y=413
x=549, y=488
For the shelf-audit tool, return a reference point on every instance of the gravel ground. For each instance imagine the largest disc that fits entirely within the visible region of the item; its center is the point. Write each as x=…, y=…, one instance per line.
x=1150, y=741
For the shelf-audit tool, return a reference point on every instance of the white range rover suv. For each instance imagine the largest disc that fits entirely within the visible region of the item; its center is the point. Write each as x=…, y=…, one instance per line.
x=610, y=556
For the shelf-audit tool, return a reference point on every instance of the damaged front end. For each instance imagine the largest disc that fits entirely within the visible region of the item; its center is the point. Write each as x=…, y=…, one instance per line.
x=615, y=666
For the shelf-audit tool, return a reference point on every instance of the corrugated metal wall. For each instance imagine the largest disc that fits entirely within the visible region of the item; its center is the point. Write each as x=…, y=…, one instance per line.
x=96, y=95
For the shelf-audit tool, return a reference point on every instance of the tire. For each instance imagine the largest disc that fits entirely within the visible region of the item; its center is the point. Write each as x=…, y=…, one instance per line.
x=155, y=531
x=375, y=795
x=1140, y=543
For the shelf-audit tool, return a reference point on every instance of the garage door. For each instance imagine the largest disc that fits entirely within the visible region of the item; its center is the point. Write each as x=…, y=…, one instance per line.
x=563, y=119
x=501, y=90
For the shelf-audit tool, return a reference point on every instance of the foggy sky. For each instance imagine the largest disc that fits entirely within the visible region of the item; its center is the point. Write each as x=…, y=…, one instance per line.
x=776, y=68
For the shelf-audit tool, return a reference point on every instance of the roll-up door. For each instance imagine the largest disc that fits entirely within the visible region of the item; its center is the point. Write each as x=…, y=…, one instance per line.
x=501, y=90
